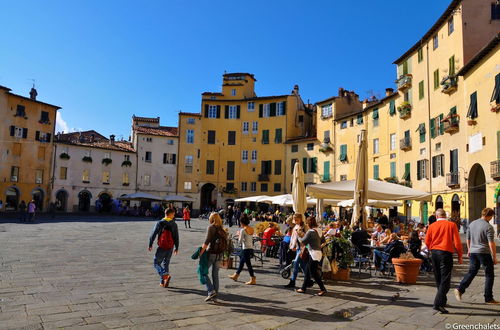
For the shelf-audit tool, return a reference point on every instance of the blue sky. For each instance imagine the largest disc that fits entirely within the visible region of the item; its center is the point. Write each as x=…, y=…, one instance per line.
x=103, y=61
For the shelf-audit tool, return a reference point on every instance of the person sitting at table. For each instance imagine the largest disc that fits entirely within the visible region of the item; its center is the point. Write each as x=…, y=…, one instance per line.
x=360, y=239
x=415, y=246
x=377, y=233
x=422, y=229
x=385, y=237
x=392, y=250
x=382, y=219
x=332, y=230
x=267, y=242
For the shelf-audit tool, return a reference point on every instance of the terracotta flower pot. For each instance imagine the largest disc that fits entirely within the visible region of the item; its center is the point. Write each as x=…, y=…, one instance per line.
x=227, y=263
x=471, y=122
x=342, y=274
x=407, y=270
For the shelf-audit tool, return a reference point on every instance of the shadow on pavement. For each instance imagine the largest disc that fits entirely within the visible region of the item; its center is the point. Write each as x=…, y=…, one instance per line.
x=224, y=296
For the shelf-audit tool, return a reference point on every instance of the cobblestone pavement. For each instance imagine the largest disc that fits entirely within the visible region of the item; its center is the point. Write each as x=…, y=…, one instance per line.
x=95, y=272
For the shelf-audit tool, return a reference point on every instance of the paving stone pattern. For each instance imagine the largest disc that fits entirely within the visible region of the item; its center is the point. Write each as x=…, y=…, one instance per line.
x=95, y=272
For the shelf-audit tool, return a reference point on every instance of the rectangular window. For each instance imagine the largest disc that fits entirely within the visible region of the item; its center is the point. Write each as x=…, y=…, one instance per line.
x=210, y=167
x=188, y=164
x=405, y=67
x=170, y=142
x=41, y=153
x=244, y=156
x=375, y=117
x=392, y=138
x=451, y=66
x=326, y=111
x=255, y=127
x=343, y=153
x=420, y=54
x=435, y=42
x=211, y=137
x=244, y=186
x=376, y=146
x=359, y=119
x=20, y=111
x=436, y=79
x=86, y=176
x=421, y=132
x=254, y=156
x=265, y=136
x=187, y=185
x=265, y=167
x=421, y=90
x=231, y=138
x=277, y=167
x=437, y=166
x=277, y=187
x=266, y=110
x=343, y=124
x=253, y=186
x=246, y=127
x=343, y=177
x=148, y=157
x=39, y=176
x=230, y=170
x=44, y=118
x=125, y=180
x=169, y=158
x=126, y=158
x=147, y=180
x=280, y=111
x=233, y=92
x=375, y=172
x=190, y=136
x=432, y=127
x=393, y=169
x=14, y=174
x=295, y=147
x=310, y=146
x=105, y=177
x=18, y=133
x=63, y=173
x=495, y=96
x=392, y=107
x=191, y=121
x=451, y=26
x=278, y=135
x=263, y=187
x=454, y=160
x=233, y=112
x=212, y=111
x=326, y=171
x=326, y=136
x=422, y=169
x=495, y=11
x=472, y=112
x=251, y=106
x=313, y=165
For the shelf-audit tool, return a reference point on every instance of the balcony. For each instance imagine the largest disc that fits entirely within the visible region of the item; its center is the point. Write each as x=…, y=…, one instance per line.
x=263, y=177
x=406, y=183
x=404, y=82
x=449, y=84
x=453, y=179
x=405, y=144
x=451, y=123
x=405, y=110
x=495, y=169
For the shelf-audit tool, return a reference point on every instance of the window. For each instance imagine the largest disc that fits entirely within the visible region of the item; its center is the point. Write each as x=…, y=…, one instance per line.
x=251, y=106
x=392, y=156
x=278, y=136
x=326, y=111
x=343, y=124
x=310, y=146
x=375, y=117
x=265, y=136
x=301, y=119
x=451, y=66
x=375, y=172
x=407, y=96
x=326, y=136
x=392, y=107
x=233, y=92
x=392, y=138
x=18, y=132
x=405, y=67
x=125, y=180
x=406, y=176
x=63, y=173
x=232, y=112
x=263, y=187
x=495, y=97
x=436, y=79
x=295, y=147
x=359, y=119
x=423, y=151
x=20, y=111
x=422, y=169
x=393, y=169
x=343, y=153
x=495, y=11
x=437, y=166
x=14, y=174
x=86, y=176
x=148, y=157
x=472, y=112
x=420, y=55
x=254, y=156
x=212, y=111
x=265, y=167
x=170, y=142
x=231, y=138
x=326, y=171
x=41, y=153
x=244, y=186
x=246, y=126
x=244, y=156
x=211, y=137
x=87, y=153
x=277, y=167
x=39, y=176
x=376, y=146
x=277, y=187
x=421, y=132
x=191, y=121
x=188, y=164
x=253, y=186
x=169, y=158
x=107, y=155
x=44, y=118
x=454, y=161
x=304, y=164
x=149, y=139
x=343, y=177
x=255, y=127
x=266, y=112
x=190, y=136
x=187, y=185
x=125, y=158
x=435, y=42
x=230, y=170
x=280, y=111
x=105, y=177
x=147, y=180
x=421, y=90
x=438, y=146
x=451, y=26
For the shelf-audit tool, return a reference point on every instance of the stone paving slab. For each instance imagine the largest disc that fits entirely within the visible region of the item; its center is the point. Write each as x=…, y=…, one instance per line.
x=96, y=273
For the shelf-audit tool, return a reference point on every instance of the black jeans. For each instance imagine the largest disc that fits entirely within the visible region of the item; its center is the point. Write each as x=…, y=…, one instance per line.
x=246, y=258
x=187, y=223
x=476, y=260
x=312, y=270
x=442, y=261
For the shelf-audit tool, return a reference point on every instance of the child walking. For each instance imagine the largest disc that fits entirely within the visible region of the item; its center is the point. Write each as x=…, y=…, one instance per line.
x=246, y=241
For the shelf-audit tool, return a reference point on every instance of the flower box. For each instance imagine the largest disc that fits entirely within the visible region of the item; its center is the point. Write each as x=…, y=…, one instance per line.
x=64, y=156
x=87, y=159
x=107, y=161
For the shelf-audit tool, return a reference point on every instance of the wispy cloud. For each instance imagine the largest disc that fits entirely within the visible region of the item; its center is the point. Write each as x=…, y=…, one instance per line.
x=62, y=126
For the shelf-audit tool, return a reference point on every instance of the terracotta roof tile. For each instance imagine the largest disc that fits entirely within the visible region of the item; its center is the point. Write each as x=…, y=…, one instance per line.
x=147, y=119
x=159, y=131
x=92, y=139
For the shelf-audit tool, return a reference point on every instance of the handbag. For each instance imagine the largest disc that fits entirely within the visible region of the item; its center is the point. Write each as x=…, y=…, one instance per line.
x=304, y=254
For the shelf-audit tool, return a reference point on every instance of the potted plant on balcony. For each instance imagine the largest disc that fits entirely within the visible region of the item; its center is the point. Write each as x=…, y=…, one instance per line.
x=391, y=179
x=87, y=159
x=64, y=156
x=343, y=256
x=471, y=122
x=404, y=109
x=126, y=163
x=107, y=161
x=407, y=268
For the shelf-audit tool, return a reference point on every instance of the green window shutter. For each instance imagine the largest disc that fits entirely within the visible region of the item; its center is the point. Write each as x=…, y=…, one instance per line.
x=326, y=171
x=375, y=172
x=375, y=114
x=472, y=113
x=238, y=111
x=407, y=172
x=314, y=165
x=451, y=66
x=261, y=110
x=265, y=136
x=405, y=67
x=421, y=90
x=272, y=110
x=495, y=97
x=393, y=169
x=421, y=131
x=304, y=164
x=392, y=107
x=436, y=79
x=226, y=111
x=453, y=111
x=432, y=127
x=425, y=212
x=441, y=126
x=343, y=152
x=278, y=137
x=419, y=170
x=218, y=111
x=360, y=119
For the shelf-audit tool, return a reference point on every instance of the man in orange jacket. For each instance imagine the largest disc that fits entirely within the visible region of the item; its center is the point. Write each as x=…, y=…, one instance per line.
x=442, y=239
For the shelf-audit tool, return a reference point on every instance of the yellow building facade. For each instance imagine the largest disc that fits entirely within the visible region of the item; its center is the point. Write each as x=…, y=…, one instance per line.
x=26, y=146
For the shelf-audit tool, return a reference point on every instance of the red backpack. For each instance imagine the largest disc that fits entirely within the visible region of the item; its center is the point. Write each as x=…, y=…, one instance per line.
x=165, y=239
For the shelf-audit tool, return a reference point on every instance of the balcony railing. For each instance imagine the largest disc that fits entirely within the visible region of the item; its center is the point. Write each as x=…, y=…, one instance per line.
x=453, y=179
x=404, y=110
x=404, y=82
x=263, y=177
x=449, y=84
x=405, y=144
x=495, y=169
x=451, y=124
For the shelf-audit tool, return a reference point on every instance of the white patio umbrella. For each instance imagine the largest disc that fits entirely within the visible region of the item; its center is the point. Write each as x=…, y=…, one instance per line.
x=255, y=199
x=361, y=183
x=140, y=196
x=372, y=203
x=177, y=198
x=298, y=190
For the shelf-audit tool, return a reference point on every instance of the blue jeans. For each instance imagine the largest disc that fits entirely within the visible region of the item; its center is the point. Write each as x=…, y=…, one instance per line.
x=476, y=260
x=379, y=259
x=213, y=262
x=298, y=262
x=246, y=258
x=162, y=260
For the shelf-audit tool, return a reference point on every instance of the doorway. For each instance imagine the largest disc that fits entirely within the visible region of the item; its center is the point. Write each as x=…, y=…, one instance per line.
x=84, y=198
x=11, y=199
x=38, y=196
x=61, y=200
x=477, y=192
x=207, y=200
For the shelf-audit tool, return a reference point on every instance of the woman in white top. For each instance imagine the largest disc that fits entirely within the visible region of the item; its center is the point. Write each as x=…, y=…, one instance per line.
x=246, y=241
x=295, y=246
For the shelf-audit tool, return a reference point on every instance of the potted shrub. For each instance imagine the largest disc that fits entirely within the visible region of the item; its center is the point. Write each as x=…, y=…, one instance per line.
x=227, y=259
x=107, y=161
x=64, y=156
x=127, y=163
x=87, y=159
x=407, y=268
x=471, y=122
x=343, y=256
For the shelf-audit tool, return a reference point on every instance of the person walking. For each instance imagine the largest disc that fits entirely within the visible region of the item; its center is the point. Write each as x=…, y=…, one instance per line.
x=22, y=211
x=245, y=239
x=295, y=246
x=481, y=250
x=168, y=238
x=442, y=239
x=312, y=239
x=186, y=215
x=215, y=244
x=31, y=211
x=229, y=216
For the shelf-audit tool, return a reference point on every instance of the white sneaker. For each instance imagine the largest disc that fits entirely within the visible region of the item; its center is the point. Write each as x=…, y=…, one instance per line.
x=458, y=295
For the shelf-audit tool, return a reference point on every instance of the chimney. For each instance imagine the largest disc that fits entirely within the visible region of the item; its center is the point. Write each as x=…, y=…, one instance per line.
x=389, y=91
x=92, y=137
x=341, y=92
x=295, y=90
x=33, y=93
x=112, y=139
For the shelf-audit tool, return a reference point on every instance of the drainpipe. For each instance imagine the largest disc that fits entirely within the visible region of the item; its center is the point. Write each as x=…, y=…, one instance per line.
x=429, y=117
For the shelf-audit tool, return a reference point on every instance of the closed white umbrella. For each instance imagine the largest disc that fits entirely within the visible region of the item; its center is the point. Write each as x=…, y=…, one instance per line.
x=298, y=190
x=361, y=183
